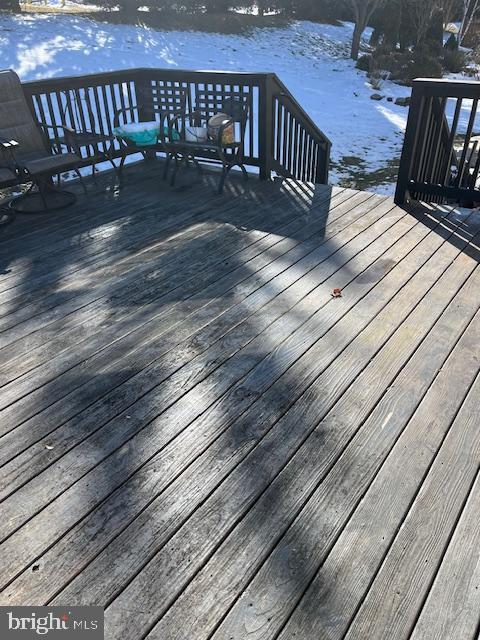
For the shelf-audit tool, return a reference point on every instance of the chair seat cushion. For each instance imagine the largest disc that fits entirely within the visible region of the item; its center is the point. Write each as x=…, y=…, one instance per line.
x=50, y=164
x=7, y=176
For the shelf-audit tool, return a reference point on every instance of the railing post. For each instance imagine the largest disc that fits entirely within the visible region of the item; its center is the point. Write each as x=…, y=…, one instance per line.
x=409, y=145
x=323, y=164
x=265, y=128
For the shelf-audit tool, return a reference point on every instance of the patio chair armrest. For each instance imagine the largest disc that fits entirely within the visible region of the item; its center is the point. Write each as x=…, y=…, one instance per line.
x=7, y=152
x=55, y=145
x=51, y=127
x=72, y=139
x=64, y=136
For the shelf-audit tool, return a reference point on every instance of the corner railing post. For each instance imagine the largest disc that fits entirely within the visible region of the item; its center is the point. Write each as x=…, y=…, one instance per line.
x=265, y=127
x=409, y=145
x=323, y=163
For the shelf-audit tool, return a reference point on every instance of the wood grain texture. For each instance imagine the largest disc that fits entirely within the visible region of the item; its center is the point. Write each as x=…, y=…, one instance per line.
x=452, y=609
x=396, y=595
x=201, y=340
x=189, y=421
x=250, y=543
x=130, y=330
x=340, y=584
x=252, y=358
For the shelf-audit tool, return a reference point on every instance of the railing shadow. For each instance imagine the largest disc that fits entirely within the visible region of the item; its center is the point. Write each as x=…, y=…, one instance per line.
x=464, y=223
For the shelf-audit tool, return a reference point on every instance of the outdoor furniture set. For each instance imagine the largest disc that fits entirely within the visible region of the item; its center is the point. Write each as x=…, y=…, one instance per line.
x=214, y=131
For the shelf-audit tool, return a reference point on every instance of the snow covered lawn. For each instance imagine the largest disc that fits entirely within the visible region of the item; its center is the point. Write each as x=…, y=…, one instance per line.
x=311, y=59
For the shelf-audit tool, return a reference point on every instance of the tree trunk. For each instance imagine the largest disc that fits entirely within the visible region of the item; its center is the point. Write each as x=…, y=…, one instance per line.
x=357, y=36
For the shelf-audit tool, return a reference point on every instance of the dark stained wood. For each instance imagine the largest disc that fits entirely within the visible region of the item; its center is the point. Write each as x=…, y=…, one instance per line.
x=196, y=435
x=432, y=146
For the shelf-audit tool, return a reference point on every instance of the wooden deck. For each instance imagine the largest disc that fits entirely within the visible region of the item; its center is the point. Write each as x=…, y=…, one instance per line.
x=198, y=436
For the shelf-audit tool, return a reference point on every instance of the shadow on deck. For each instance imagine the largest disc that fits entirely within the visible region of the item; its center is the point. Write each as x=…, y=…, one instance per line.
x=197, y=435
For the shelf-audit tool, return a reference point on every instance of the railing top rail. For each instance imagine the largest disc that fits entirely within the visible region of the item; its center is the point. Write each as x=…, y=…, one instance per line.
x=445, y=81
x=444, y=87
x=227, y=76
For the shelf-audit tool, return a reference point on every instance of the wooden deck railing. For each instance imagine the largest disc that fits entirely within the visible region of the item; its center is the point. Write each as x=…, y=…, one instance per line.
x=441, y=154
x=280, y=136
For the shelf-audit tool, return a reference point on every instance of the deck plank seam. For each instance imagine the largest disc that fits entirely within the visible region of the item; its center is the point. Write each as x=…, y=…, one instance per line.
x=219, y=622
x=136, y=328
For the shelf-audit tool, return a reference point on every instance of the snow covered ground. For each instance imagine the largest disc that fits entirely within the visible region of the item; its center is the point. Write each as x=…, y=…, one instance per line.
x=311, y=59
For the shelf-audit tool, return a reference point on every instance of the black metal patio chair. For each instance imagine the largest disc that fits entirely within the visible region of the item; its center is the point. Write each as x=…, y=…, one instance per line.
x=35, y=158
x=235, y=107
x=84, y=135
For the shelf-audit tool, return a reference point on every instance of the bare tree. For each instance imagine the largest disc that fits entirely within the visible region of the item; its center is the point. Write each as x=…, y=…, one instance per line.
x=449, y=9
x=471, y=8
x=422, y=14
x=362, y=12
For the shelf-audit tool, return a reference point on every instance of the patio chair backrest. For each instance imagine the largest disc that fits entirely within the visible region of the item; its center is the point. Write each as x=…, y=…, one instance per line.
x=77, y=110
x=16, y=119
x=154, y=101
x=232, y=103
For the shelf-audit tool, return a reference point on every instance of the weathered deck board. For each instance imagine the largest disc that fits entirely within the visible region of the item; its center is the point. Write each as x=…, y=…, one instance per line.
x=241, y=250
x=253, y=299
x=197, y=436
x=404, y=579
x=251, y=357
x=452, y=609
x=287, y=494
x=343, y=578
